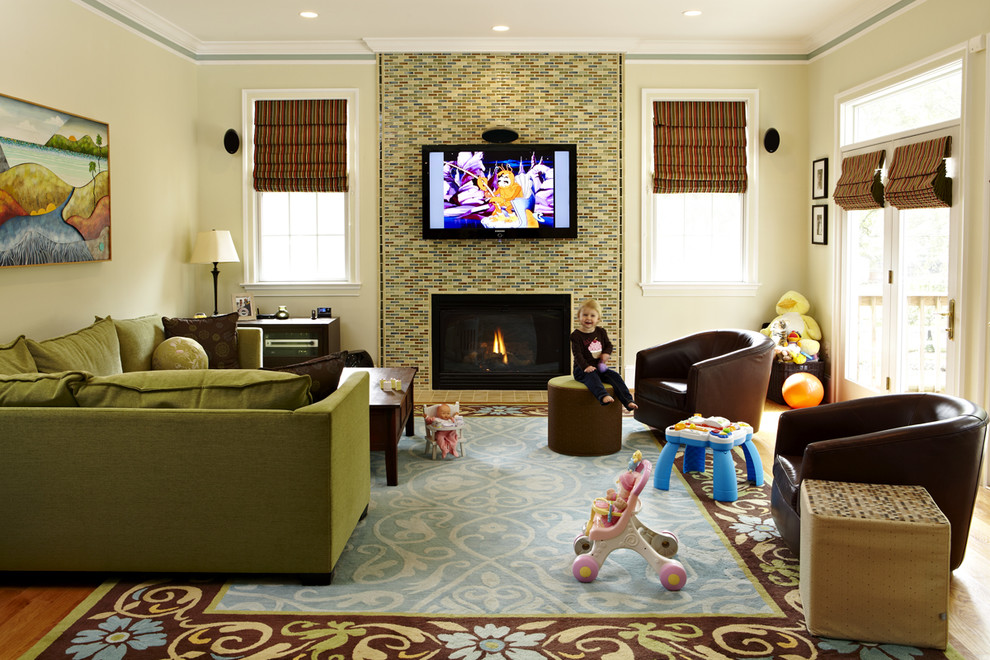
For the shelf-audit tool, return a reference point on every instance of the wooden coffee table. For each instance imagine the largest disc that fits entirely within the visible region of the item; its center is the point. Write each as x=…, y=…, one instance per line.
x=391, y=411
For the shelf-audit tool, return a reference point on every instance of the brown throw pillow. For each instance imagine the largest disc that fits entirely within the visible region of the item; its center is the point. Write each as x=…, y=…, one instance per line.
x=324, y=372
x=216, y=334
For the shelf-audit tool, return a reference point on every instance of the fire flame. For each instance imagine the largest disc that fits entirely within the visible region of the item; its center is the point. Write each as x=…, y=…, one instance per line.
x=498, y=346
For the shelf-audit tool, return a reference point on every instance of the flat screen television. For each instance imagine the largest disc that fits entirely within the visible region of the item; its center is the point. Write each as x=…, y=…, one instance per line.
x=500, y=191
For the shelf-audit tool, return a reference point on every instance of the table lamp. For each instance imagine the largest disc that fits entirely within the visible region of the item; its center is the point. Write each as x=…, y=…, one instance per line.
x=212, y=247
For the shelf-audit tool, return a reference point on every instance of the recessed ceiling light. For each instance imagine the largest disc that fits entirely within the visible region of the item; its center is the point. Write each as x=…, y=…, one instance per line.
x=500, y=28
x=308, y=14
x=692, y=12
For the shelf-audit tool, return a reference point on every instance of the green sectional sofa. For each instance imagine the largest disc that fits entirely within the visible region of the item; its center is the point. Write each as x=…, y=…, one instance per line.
x=204, y=470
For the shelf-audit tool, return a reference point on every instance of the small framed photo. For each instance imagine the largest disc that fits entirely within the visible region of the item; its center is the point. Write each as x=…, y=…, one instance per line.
x=819, y=224
x=819, y=179
x=244, y=306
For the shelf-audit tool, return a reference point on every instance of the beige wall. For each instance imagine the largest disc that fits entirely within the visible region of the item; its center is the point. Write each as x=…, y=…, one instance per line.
x=784, y=201
x=221, y=178
x=66, y=57
x=928, y=29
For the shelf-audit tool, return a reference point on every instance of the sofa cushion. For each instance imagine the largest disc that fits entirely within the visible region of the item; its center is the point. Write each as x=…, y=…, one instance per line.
x=138, y=339
x=179, y=353
x=15, y=358
x=94, y=349
x=217, y=334
x=37, y=389
x=324, y=372
x=198, y=388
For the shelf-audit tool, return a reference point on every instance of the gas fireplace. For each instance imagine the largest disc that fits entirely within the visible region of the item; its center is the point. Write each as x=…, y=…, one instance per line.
x=499, y=341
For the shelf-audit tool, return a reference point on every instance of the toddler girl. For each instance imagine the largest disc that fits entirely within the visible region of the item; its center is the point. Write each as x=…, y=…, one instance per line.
x=592, y=349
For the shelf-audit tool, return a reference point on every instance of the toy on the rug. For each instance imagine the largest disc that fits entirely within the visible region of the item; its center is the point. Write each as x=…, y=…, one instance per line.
x=443, y=428
x=797, y=336
x=614, y=525
x=696, y=435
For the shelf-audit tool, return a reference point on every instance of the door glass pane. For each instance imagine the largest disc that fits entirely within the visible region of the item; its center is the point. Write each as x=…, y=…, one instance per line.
x=865, y=317
x=924, y=299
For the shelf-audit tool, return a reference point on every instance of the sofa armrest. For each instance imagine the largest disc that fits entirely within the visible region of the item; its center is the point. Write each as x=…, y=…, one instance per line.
x=350, y=457
x=249, y=341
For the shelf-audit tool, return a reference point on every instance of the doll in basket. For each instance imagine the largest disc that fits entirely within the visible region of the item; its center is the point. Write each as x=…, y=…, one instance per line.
x=445, y=424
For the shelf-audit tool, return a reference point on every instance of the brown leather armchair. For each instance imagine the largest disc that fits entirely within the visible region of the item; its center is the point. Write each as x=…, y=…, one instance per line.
x=717, y=372
x=924, y=439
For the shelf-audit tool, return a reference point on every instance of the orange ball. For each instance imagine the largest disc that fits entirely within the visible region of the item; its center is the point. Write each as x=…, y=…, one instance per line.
x=802, y=390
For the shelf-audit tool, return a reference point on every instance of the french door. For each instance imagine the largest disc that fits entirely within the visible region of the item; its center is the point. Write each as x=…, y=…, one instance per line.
x=900, y=284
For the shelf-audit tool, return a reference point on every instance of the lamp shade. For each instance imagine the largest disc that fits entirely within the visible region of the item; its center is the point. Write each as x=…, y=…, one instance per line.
x=213, y=247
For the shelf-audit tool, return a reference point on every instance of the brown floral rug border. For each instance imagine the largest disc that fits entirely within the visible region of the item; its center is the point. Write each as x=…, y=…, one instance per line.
x=171, y=618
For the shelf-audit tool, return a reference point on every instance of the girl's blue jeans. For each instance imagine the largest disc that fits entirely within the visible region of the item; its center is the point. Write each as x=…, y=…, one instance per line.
x=594, y=380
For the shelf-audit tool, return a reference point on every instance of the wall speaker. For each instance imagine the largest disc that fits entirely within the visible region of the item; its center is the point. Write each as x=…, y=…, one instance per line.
x=499, y=134
x=771, y=140
x=231, y=141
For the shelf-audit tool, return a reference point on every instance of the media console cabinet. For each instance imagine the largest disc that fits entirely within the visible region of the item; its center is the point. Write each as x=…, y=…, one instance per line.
x=288, y=341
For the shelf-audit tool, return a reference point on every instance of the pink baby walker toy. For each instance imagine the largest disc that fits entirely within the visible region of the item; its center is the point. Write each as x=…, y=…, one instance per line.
x=613, y=525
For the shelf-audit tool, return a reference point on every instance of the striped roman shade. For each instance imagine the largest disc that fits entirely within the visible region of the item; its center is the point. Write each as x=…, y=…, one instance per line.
x=917, y=175
x=699, y=146
x=859, y=184
x=300, y=145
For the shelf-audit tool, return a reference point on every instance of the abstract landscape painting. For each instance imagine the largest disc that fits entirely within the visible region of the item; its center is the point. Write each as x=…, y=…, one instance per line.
x=54, y=186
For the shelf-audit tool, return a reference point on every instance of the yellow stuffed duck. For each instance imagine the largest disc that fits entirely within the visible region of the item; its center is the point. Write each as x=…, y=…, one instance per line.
x=797, y=336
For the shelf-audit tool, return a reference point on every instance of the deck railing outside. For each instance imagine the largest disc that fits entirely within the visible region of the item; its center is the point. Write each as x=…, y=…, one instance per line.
x=924, y=359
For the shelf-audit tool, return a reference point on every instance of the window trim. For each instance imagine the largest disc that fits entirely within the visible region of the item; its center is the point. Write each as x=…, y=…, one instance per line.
x=750, y=284
x=351, y=283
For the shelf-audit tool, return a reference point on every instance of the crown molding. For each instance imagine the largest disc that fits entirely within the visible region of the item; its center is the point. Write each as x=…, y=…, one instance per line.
x=135, y=18
x=285, y=49
x=720, y=49
x=870, y=16
x=499, y=45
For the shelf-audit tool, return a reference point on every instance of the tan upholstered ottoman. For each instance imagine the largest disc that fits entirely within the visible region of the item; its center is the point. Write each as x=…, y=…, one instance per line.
x=874, y=563
x=578, y=425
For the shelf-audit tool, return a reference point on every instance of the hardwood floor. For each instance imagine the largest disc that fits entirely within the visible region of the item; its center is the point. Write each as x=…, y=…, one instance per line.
x=32, y=604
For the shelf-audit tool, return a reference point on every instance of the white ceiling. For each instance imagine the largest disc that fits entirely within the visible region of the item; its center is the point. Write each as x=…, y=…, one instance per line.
x=763, y=27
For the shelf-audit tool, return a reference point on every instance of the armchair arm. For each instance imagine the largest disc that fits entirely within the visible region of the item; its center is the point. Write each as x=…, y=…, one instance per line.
x=915, y=454
x=859, y=417
x=718, y=379
x=673, y=359
x=796, y=429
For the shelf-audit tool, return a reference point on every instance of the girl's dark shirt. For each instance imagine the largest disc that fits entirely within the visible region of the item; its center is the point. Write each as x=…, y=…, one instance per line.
x=579, y=347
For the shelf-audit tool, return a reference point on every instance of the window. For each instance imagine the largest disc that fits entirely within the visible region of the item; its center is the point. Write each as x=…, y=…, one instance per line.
x=924, y=100
x=698, y=197
x=301, y=215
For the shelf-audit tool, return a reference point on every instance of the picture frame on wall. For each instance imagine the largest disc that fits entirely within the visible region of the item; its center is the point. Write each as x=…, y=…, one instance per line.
x=819, y=179
x=56, y=207
x=244, y=306
x=819, y=224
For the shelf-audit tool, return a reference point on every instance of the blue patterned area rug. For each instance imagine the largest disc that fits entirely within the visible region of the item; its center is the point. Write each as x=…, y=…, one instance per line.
x=470, y=558
x=492, y=532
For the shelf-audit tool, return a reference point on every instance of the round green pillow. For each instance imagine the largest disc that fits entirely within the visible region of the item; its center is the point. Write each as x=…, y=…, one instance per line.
x=179, y=353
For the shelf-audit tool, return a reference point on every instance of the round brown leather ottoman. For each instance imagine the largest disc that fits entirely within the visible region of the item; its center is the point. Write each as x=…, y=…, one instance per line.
x=578, y=425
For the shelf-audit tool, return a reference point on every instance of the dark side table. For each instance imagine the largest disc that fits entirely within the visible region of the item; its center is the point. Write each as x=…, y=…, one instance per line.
x=390, y=413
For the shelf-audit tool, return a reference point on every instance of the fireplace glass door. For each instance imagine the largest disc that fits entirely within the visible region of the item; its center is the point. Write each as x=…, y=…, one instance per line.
x=499, y=341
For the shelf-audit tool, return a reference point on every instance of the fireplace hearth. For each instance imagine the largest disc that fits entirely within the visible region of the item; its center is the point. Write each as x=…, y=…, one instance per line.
x=499, y=341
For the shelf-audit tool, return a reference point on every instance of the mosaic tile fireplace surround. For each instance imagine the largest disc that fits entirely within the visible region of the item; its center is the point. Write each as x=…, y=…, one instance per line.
x=452, y=98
